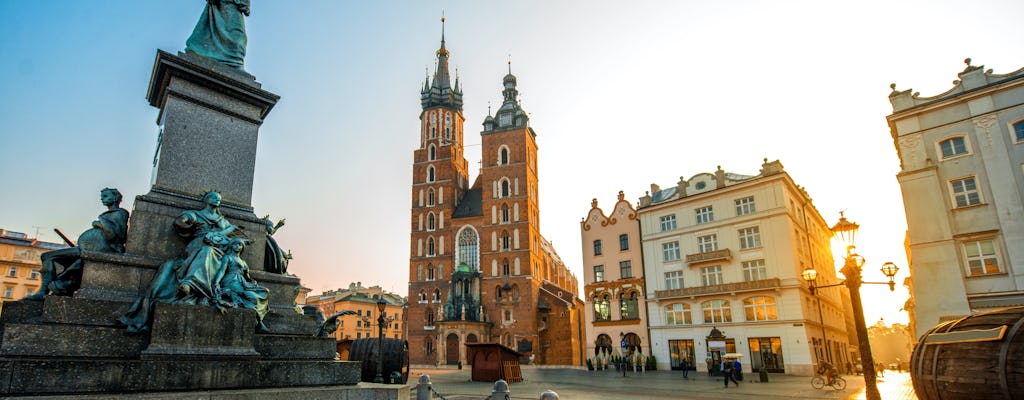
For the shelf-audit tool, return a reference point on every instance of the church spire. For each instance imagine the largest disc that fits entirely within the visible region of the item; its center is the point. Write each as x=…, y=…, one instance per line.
x=440, y=91
x=511, y=113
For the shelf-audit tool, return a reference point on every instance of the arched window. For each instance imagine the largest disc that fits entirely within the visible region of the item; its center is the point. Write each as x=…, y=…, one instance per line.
x=505, y=270
x=431, y=153
x=716, y=311
x=431, y=221
x=503, y=156
x=429, y=320
x=469, y=249
x=428, y=342
x=504, y=213
x=761, y=308
x=430, y=173
x=423, y=296
x=603, y=344
x=430, y=196
x=602, y=310
x=678, y=314
x=506, y=242
x=430, y=272
x=430, y=246
x=627, y=306
x=497, y=293
x=437, y=295
x=504, y=187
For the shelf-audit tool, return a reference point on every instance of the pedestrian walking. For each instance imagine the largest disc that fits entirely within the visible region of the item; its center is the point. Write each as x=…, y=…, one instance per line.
x=727, y=371
x=708, y=362
x=686, y=366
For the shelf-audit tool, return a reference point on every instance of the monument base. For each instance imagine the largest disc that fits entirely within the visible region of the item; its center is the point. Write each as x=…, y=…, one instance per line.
x=362, y=391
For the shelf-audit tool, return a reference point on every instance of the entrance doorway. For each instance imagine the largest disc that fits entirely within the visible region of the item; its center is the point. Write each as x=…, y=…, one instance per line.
x=680, y=349
x=452, y=349
x=632, y=343
x=766, y=352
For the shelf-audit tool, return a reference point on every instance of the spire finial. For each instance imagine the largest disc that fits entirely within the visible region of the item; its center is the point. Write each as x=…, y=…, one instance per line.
x=510, y=63
x=488, y=108
x=442, y=26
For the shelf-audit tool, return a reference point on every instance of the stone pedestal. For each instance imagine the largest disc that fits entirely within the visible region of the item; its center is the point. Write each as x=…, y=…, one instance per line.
x=210, y=117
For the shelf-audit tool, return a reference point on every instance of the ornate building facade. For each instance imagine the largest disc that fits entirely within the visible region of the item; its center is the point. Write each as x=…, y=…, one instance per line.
x=613, y=272
x=962, y=177
x=20, y=264
x=723, y=255
x=363, y=301
x=479, y=269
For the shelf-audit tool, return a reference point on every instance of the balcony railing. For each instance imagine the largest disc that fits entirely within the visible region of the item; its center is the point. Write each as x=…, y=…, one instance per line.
x=771, y=283
x=723, y=254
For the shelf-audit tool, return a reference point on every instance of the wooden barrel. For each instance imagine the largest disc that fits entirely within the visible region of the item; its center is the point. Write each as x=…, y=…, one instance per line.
x=975, y=357
x=396, y=358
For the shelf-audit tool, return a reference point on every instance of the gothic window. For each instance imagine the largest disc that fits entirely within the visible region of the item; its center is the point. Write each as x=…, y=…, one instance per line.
x=505, y=270
x=431, y=221
x=437, y=295
x=504, y=213
x=506, y=242
x=430, y=196
x=430, y=272
x=504, y=188
x=430, y=173
x=430, y=247
x=423, y=296
x=503, y=156
x=469, y=249
x=430, y=322
x=431, y=153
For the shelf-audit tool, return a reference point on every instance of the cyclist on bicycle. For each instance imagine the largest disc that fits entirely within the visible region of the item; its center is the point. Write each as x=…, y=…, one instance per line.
x=829, y=371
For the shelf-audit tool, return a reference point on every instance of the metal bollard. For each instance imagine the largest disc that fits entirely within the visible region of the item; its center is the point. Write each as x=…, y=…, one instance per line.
x=549, y=395
x=500, y=390
x=423, y=388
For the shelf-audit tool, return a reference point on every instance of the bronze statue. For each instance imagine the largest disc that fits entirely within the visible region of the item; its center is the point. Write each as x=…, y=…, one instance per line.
x=108, y=234
x=330, y=325
x=274, y=259
x=238, y=289
x=219, y=34
x=196, y=278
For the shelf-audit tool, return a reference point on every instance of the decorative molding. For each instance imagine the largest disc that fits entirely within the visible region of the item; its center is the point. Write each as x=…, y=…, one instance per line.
x=986, y=122
x=771, y=283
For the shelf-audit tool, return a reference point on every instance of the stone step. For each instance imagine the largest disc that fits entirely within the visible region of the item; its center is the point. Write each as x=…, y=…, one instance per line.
x=288, y=347
x=28, y=340
x=76, y=311
x=83, y=376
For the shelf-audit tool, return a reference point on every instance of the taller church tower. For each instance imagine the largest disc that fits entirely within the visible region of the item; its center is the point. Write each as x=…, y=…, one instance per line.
x=479, y=270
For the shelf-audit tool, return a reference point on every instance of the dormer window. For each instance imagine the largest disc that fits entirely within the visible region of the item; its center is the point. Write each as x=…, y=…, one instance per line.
x=505, y=119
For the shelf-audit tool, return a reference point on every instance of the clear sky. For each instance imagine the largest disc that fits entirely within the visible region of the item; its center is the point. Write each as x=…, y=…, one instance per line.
x=621, y=94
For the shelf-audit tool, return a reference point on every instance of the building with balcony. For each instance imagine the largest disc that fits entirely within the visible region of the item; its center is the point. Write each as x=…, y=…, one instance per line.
x=962, y=177
x=723, y=255
x=362, y=300
x=20, y=264
x=614, y=280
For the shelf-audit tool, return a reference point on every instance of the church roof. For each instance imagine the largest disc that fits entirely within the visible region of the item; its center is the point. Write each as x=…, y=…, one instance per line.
x=471, y=205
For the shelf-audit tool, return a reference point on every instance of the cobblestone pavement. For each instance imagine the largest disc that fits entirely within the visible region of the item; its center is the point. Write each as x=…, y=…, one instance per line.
x=573, y=384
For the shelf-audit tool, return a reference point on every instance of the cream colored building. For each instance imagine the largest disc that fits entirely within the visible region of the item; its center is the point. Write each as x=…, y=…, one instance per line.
x=962, y=176
x=723, y=254
x=20, y=264
x=614, y=280
x=363, y=301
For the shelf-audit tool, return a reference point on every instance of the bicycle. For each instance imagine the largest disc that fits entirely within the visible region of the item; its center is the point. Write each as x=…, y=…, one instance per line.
x=838, y=383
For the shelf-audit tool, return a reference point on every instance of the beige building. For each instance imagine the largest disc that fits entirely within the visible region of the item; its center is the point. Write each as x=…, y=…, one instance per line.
x=723, y=255
x=962, y=176
x=362, y=300
x=20, y=264
x=614, y=280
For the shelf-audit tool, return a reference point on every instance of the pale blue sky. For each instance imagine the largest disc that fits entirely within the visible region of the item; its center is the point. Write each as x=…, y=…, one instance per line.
x=672, y=88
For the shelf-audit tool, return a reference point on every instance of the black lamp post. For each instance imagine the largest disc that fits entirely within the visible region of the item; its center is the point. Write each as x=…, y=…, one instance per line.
x=381, y=320
x=852, y=263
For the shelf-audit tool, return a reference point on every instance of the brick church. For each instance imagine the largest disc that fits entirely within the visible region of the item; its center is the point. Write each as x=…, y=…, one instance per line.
x=479, y=269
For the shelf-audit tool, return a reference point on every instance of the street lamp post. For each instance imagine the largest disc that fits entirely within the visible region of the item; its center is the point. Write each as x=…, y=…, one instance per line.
x=852, y=263
x=381, y=320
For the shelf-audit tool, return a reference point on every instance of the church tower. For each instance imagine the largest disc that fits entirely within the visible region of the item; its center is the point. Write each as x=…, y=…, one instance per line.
x=440, y=178
x=479, y=269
